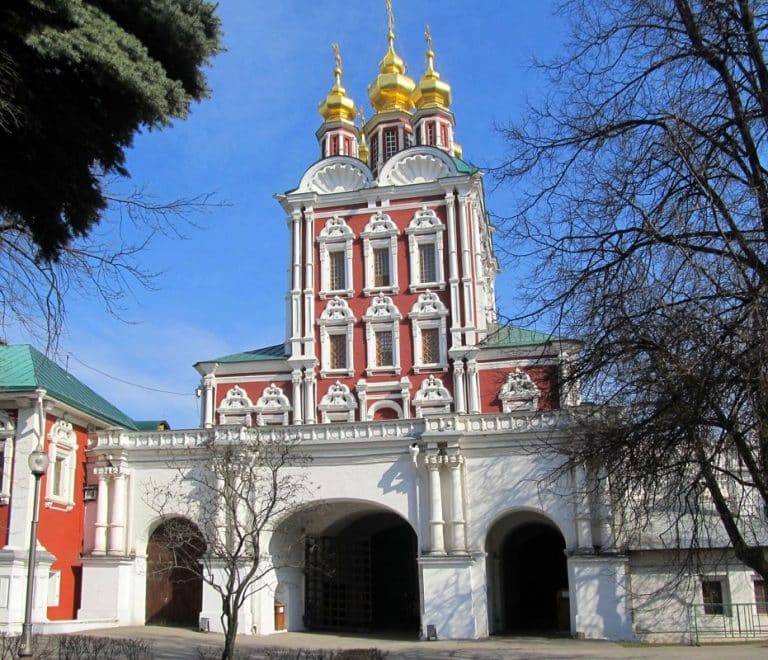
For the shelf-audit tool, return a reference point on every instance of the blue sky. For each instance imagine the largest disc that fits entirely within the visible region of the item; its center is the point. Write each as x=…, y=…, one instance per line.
x=221, y=289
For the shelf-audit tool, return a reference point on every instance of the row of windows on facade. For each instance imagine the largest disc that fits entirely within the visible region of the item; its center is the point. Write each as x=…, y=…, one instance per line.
x=384, y=353
x=426, y=260
x=390, y=138
x=714, y=596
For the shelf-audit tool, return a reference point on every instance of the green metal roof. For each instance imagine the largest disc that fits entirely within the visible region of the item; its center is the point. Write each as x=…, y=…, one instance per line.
x=276, y=352
x=463, y=166
x=508, y=336
x=23, y=368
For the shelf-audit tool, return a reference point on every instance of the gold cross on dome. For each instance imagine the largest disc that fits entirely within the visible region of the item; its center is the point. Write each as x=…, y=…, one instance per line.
x=391, y=16
x=336, y=54
x=428, y=34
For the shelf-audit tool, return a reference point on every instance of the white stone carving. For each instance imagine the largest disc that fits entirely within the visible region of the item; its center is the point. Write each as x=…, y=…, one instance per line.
x=338, y=404
x=425, y=220
x=382, y=308
x=236, y=408
x=336, y=175
x=272, y=407
x=379, y=223
x=416, y=168
x=519, y=392
x=432, y=398
x=336, y=229
x=337, y=310
x=62, y=456
x=428, y=305
x=6, y=425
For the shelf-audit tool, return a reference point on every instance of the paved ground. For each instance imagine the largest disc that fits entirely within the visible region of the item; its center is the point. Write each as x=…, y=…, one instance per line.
x=172, y=643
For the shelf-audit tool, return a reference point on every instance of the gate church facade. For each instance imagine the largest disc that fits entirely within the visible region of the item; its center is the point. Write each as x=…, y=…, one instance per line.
x=421, y=415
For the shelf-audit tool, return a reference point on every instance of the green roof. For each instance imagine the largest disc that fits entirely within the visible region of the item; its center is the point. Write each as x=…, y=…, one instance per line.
x=23, y=368
x=463, y=166
x=276, y=352
x=508, y=336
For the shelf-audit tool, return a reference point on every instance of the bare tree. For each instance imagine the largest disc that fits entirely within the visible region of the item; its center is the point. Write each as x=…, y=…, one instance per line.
x=235, y=488
x=646, y=207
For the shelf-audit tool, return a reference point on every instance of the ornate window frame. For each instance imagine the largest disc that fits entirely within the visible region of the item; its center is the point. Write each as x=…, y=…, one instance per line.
x=337, y=319
x=382, y=316
x=380, y=232
x=429, y=312
x=7, y=433
x=432, y=398
x=272, y=407
x=425, y=229
x=338, y=404
x=336, y=236
x=519, y=392
x=236, y=408
x=62, y=455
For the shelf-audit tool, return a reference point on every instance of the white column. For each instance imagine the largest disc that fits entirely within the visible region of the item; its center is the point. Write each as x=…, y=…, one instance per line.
x=102, y=503
x=453, y=271
x=459, y=396
x=116, y=540
x=362, y=397
x=309, y=286
x=458, y=524
x=473, y=386
x=209, y=401
x=466, y=273
x=309, y=393
x=296, y=398
x=436, y=522
x=405, y=394
x=295, y=318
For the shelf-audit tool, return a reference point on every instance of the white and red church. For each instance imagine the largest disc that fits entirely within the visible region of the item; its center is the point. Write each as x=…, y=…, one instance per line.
x=426, y=422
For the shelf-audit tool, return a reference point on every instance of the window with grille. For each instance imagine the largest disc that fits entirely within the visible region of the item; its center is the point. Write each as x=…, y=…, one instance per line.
x=381, y=275
x=427, y=265
x=444, y=135
x=375, y=153
x=430, y=346
x=334, y=145
x=712, y=595
x=431, y=133
x=761, y=598
x=338, y=271
x=338, y=351
x=390, y=143
x=348, y=146
x=384, y=354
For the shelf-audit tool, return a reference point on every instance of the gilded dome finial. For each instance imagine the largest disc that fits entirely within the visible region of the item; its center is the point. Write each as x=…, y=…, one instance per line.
x=431, y=92
x=337, y=105
x=392, y=88
x=362, y=149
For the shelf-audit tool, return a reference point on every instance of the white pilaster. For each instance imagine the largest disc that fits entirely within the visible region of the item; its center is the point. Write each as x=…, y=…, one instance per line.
x=473, y=386
x=466, y=274
x=296, y=398
x=210, y=395
x=310, y=405
x=117, y=516
x=458, y=523
x=436, y=521
x=459, y=394
x=102, y=504
x=453, y=271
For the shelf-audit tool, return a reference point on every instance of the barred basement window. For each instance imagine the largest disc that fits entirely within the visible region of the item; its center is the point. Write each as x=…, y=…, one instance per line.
x=381, y=274
x=384, y=354
x=712, y=595
x=338, y=351
x=427, y=265
x=430, y=346
x=390, y=143
x=338, y=275
x=761, y=598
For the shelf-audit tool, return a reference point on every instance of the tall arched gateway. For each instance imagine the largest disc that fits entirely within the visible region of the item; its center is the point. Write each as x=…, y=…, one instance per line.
x=174, y=585
x=359, y=570
x=527, y=576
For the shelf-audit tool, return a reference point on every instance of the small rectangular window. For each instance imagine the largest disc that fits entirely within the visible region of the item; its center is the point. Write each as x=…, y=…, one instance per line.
x=427, y=266
x=443, y=135
x=384, y=354
x=381, y=274
x=334, y=145
x=338, y=271
x=348, y=146
x=375, y=153
x=59, y=466
x=761, y=598
x=430, y=346
x=712, y=595
x=338, y=347
x=431, y=133
x=390, y=143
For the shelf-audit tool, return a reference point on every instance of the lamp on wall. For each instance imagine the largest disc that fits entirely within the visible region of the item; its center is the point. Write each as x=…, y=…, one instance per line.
x=38, y=464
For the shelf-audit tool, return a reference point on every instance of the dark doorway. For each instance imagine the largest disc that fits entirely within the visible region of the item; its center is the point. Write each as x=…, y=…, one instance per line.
x=174, y=585
x=363, y=577
x=534, y=580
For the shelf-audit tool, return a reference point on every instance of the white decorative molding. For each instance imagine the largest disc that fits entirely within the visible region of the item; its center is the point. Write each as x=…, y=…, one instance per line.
x=335, y=175
x=380, y=233
x=432, y=398
x=382, y=316
x=338, y=404
x=425, y=229
x=336, y=236
x=272, y=407
x=336, y=319
x=429, y=313
x=519, y=392
x=424, y=166
x=236, y=408
x=62, y=457
x=7, y=431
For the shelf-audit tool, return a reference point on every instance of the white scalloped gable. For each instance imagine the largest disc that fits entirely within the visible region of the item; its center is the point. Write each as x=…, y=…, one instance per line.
x=417, y=165
x=335, y=175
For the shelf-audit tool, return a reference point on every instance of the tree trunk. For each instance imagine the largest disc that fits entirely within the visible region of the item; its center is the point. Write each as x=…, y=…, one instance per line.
x=230, y=636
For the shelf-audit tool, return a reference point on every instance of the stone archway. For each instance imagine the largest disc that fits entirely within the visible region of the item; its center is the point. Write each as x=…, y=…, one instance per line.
x=359, y=570
x=527, y=576
x=174, y=586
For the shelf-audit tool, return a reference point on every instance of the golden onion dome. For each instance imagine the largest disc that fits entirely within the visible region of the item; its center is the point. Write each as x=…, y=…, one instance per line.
x=337, y=106
x=431, y=92
x=392, y=89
